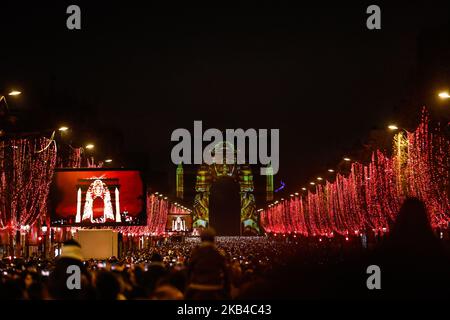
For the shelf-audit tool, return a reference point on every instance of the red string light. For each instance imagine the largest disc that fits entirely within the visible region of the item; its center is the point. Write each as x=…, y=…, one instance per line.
x=157, y=210
x=371, y=195
x=27, y=167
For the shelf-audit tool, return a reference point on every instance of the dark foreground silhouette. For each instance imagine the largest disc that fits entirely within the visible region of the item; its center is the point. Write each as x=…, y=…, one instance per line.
x=412, y=260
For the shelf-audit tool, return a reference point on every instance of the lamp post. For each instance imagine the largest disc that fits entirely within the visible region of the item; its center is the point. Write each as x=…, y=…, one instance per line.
x=6, y=111
x=44, y=229
x=11, y=93
x=90, y=159
x=401, y=145
x=24, y=239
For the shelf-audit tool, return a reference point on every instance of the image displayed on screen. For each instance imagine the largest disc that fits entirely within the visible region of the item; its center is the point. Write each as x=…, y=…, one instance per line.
x=179, y=222
x=96, y=197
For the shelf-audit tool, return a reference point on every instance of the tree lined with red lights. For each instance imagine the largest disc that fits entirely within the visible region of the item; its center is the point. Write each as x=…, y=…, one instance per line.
x=26, y=167
x=158, y=207
x=370, y=196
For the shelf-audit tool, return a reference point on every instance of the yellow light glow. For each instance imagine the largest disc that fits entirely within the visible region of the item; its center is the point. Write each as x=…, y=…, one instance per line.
x=304, y=189
x=63, y=128
x=319, y=178
x=108, y=160
x=347, y=159
x=444, y=95
x=14, y=93
x=312, y=183
x=90, y=146
x=330, y=170
x=392, y=127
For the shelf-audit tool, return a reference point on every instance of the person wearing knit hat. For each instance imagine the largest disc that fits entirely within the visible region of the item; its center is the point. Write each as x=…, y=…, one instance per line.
x=208, y=273
x=71, y=249
x=57, y=285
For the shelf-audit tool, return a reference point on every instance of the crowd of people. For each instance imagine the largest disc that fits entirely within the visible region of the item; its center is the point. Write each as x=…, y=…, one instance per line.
x=413, y=261
x=220, y=266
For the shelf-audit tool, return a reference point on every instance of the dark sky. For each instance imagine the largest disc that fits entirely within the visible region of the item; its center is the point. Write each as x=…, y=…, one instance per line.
x=135, y=73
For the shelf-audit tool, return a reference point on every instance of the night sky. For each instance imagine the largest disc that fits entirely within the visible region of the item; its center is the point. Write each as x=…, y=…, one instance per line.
x=135, y=73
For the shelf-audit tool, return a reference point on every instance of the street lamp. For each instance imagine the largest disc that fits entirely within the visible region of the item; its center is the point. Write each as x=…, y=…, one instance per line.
x=108, y=160
x=392, y=127
x=90, y=146
x=347, y=159
x=63, y=128
x=24, y=239
x=330, y=170
x=444, y=95
x=11, y=93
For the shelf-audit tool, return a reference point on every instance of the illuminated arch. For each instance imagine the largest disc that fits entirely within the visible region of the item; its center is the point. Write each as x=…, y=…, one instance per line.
x=98, y=189
x=208, y=174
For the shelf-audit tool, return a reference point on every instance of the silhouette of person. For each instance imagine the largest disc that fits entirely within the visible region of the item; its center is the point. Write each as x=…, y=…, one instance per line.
x=58, y=289
x=207, y=270
x=414, y=263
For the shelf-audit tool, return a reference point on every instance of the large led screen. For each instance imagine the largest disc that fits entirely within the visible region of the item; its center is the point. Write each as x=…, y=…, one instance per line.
x=179, y=222
x=98, y=197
